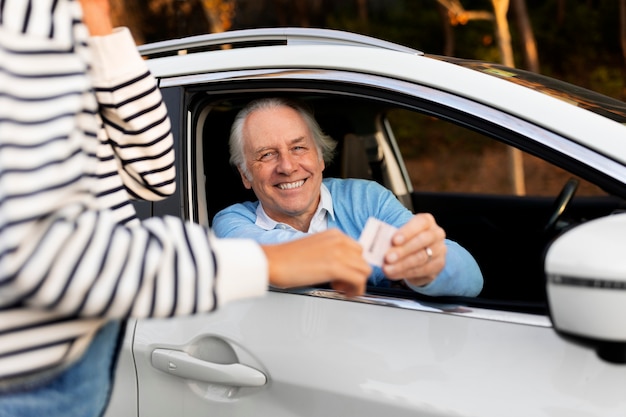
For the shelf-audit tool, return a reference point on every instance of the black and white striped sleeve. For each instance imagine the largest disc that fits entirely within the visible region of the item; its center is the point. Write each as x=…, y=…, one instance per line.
x=58, y=249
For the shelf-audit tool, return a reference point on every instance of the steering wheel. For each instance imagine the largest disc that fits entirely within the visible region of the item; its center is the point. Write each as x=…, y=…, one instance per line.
x=561, y=203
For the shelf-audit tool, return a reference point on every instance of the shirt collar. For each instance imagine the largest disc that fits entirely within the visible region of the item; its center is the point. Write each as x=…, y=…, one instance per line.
x=318, y=223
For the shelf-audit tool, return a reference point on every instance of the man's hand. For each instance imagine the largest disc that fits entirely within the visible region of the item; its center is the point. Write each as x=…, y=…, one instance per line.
x=329, y=256
x=418, y=251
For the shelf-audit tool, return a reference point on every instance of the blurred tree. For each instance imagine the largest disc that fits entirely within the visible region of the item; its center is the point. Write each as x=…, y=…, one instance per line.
x=363, y=11
x=503, y=33
x=156, y=20
x=529, y=45
x=580, y=42
x=219, y=13
x=503, y=36
x=457, y=15
x=622, y=37
x=454, y=14
x=128, y=15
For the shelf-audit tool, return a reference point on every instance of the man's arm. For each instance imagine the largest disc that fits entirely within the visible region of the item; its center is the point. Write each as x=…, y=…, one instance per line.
x=429, y=263
x=420, y=254
x=461, y=275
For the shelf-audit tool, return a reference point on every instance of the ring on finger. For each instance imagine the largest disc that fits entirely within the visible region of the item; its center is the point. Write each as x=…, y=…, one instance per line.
x=429, y=253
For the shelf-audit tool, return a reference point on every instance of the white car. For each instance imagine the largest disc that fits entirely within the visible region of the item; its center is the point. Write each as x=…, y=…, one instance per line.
x=546, y=337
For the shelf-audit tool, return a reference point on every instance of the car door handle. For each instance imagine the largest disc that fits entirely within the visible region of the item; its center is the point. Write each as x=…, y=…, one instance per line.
x=183, y=365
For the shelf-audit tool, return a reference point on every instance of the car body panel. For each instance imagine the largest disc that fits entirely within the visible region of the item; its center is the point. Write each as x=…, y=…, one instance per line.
x=388, y=352
x=548, y=111
x=373, y=359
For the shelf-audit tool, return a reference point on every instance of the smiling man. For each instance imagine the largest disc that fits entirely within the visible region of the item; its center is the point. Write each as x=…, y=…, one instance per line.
x=282, y=164
x=280, y=152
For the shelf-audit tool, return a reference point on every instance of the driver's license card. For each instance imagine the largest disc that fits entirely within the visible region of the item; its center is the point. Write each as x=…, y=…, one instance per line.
x=376, y=240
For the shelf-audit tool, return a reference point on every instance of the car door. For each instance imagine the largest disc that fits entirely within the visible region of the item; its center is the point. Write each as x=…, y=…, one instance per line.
x=312, y=352
x=322, y=355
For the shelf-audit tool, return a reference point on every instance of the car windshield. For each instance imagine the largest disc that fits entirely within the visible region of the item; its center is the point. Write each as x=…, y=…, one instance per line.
x=598, y=103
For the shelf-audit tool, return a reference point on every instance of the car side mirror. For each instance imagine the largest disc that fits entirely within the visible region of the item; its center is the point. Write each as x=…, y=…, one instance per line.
x=586, y=285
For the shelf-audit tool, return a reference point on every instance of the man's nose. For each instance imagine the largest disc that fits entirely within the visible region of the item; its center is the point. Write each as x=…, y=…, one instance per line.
x=286, y=163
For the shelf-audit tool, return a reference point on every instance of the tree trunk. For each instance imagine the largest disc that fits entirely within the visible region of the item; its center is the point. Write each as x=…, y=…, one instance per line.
x=503, y=33
x=363, y=12
x=503, y=36
x=219, y=14
x=622, y=37
x=529, y=46
x=448, y=33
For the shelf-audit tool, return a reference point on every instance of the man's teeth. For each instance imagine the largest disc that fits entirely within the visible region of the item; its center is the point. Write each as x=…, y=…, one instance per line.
x=291, y=185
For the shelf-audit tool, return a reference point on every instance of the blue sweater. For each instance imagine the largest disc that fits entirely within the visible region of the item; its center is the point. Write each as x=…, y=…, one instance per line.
x=354, y=201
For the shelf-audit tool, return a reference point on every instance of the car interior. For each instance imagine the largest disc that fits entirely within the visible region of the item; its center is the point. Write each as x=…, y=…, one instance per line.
x=507, y=234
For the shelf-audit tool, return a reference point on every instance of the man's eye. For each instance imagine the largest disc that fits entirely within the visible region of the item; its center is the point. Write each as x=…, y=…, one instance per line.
x=268, y=156
x=298, y=149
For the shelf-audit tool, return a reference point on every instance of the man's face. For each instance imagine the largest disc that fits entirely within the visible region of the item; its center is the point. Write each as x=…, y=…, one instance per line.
x=284, y=165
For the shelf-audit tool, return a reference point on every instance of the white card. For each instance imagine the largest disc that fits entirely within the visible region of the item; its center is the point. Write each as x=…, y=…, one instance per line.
x=376, y=240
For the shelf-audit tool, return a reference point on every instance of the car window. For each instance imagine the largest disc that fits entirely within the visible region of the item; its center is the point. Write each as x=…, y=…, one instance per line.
x=464, y=178
x=444, y=167
x=444, y=157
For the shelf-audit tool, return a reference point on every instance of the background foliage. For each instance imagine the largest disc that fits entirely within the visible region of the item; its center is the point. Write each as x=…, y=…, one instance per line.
x=577, y=41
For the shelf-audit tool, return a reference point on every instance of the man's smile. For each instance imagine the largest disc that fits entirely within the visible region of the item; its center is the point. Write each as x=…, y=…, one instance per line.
x=291, y=185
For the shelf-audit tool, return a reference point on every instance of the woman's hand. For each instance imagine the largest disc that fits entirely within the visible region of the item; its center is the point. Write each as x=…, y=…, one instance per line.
x=329, y=256
x=97, y=17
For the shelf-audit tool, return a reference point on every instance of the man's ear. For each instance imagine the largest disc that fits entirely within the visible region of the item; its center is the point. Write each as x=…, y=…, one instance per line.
x=244, y=179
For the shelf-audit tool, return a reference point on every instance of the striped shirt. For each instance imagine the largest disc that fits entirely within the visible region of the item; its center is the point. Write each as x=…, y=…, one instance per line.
x=82, y=129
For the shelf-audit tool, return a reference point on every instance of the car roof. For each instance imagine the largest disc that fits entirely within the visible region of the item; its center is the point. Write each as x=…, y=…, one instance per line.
x=285, y=36
x=560, y=107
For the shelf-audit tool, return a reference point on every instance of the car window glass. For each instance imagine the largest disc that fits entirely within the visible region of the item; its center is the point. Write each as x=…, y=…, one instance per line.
x=444, y=157
x=460, y=176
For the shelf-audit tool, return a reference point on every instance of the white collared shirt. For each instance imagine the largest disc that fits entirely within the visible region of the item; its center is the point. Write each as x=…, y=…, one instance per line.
x=319, y=222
